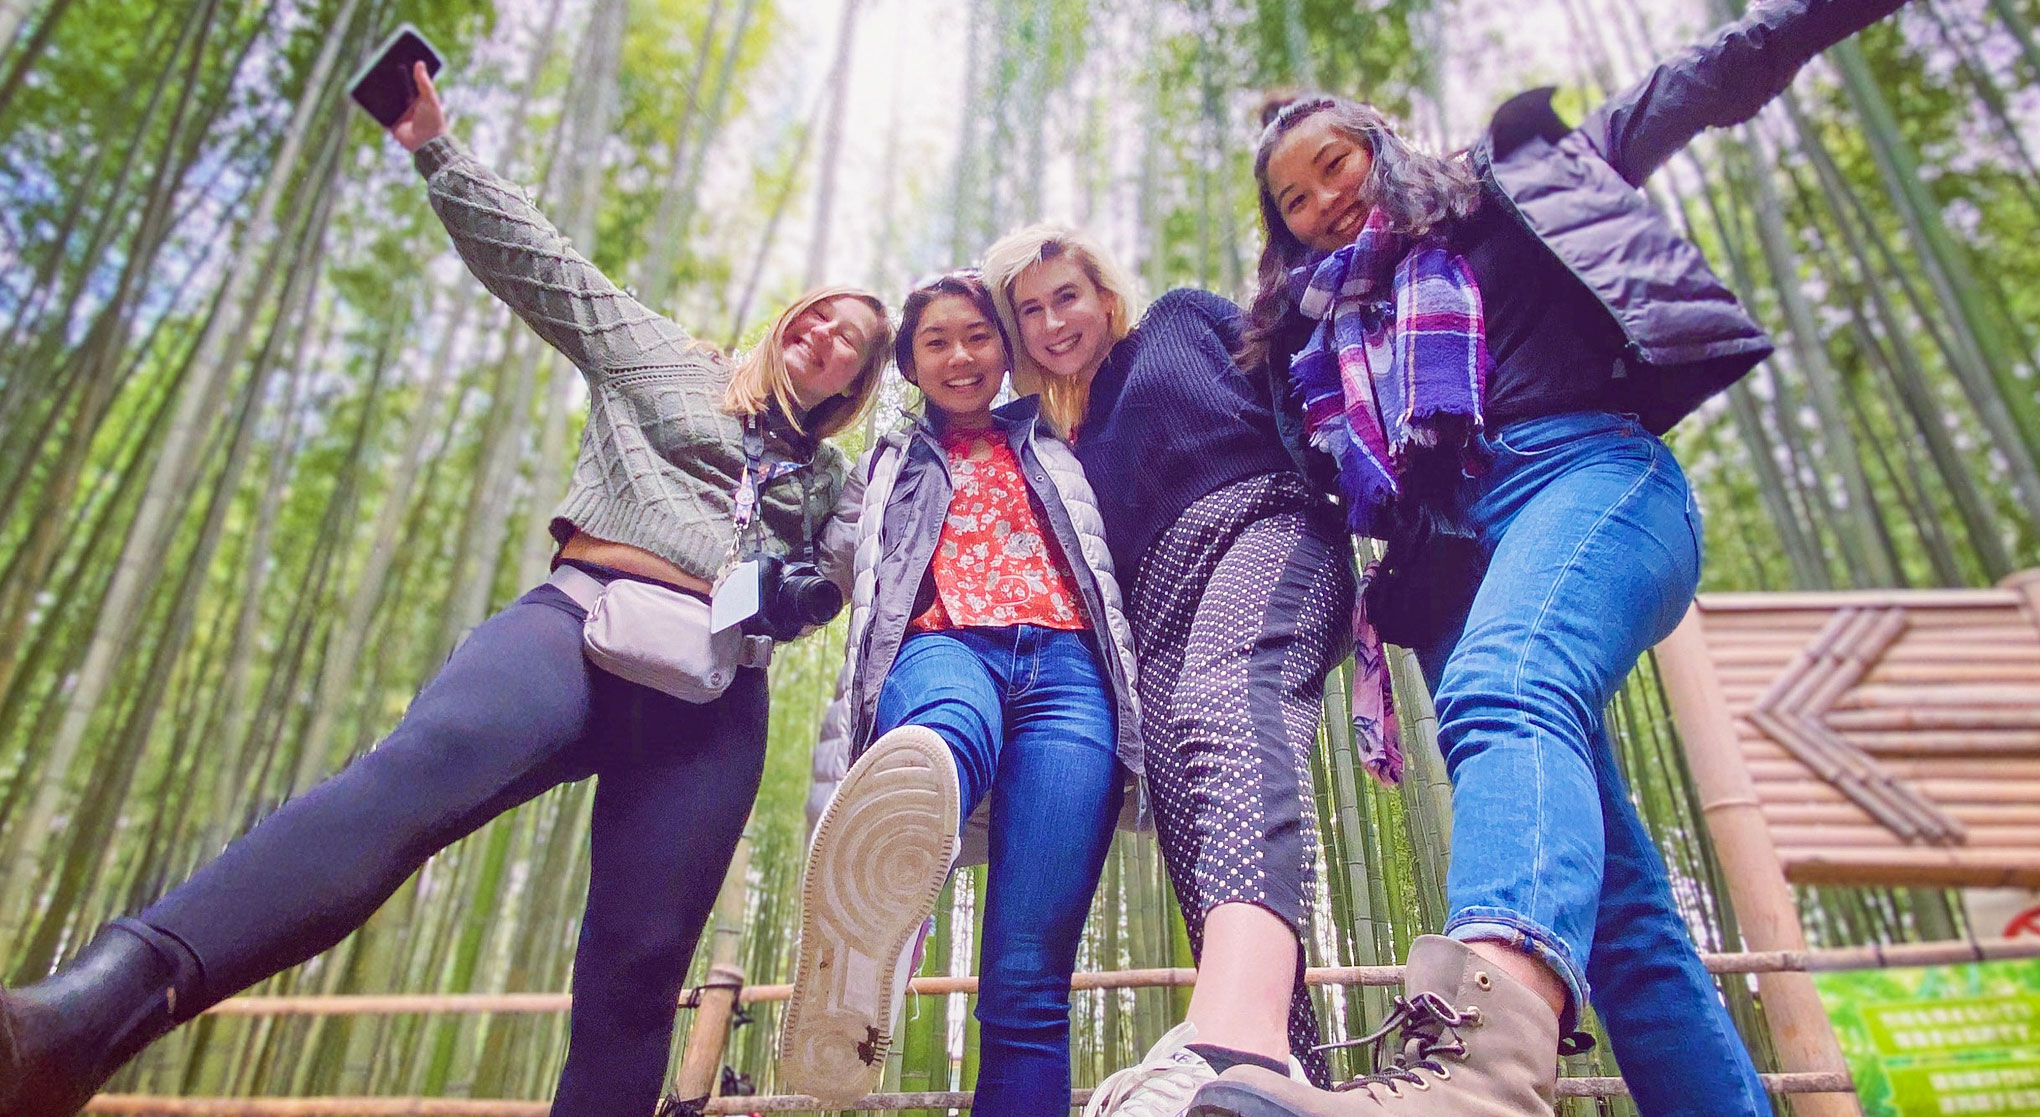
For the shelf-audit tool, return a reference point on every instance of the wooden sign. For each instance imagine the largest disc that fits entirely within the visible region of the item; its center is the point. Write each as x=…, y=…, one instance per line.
x=1857, y=738
x=1889, y=737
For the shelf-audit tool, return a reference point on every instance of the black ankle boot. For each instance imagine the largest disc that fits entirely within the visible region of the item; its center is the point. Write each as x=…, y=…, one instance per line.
x=64, y=1036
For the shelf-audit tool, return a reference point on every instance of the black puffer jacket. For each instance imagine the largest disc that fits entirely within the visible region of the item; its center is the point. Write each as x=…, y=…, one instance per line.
x=1576, y=190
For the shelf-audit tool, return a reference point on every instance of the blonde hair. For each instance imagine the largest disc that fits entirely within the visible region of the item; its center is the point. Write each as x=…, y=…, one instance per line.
x=1062, y=398
x=760, y=378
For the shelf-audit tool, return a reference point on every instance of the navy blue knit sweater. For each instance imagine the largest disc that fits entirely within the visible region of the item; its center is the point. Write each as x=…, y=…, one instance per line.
x=1171, y=417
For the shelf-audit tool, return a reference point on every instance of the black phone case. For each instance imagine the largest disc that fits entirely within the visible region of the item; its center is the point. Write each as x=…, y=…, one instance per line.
x=385, y=87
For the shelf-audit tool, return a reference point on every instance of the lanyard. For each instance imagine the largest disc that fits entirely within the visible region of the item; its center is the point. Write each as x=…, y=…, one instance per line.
x=758, y=473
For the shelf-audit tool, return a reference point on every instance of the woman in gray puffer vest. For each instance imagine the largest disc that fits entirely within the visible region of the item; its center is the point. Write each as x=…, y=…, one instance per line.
x=989, y=665
x=659, y=498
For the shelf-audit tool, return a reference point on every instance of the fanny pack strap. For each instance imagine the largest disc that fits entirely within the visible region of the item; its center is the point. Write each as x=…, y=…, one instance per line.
x=577, y=584
x=586, y=590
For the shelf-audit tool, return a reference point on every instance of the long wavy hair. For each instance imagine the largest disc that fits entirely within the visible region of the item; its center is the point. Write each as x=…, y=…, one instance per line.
x=760, y=379
x=1062, y=398
x=1419, y=192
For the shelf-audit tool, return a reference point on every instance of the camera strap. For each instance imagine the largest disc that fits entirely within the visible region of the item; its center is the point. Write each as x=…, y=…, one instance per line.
x=758, y=473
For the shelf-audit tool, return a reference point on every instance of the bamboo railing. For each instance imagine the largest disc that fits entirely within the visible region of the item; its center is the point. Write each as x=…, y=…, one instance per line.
x=1877, y=712
x=141, y=1105
x=1835, y=1080
x=1831, y=960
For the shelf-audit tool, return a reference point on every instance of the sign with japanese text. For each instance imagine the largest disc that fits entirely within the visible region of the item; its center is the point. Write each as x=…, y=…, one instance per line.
x=1941, y=1041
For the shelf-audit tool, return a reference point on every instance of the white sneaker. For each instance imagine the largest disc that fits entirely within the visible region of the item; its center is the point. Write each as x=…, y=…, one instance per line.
x=1160, y=1085
x=876, y=866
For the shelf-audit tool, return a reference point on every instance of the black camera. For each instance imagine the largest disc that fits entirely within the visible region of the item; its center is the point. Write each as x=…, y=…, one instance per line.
x=792, y=596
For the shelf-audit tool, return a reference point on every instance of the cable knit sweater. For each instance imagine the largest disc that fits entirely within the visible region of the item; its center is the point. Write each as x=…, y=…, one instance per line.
x=660, y=459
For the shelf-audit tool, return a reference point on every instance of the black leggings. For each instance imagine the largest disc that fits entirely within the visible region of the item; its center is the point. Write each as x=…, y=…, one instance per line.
x=515, y=711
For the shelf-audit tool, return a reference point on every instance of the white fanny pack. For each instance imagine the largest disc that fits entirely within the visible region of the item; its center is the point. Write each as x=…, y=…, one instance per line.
x=657, y=637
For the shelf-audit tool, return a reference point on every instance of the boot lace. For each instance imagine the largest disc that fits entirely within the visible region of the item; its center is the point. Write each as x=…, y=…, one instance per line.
x=1427, y=1028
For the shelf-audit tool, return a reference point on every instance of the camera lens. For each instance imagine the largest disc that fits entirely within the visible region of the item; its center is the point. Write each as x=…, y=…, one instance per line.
x=814, y=599
x=793, y=596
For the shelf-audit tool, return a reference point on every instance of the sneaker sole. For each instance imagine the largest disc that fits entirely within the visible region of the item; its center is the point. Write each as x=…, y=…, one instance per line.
x=880, y=856
x=1230, y=1099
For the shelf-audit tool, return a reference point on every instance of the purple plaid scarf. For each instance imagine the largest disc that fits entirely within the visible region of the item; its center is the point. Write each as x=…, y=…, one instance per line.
x=1394, y=372
x=1397, y=364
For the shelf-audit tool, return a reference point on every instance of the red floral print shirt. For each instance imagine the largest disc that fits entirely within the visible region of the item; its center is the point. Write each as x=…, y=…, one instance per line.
x=994, y=566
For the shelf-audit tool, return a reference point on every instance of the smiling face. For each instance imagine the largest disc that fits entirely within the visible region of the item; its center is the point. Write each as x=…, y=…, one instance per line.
x=959, y=360
x=1065, y=319
x=824, y=347
x=1316, y=173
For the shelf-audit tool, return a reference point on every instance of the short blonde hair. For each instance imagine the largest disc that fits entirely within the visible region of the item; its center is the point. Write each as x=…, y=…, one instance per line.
x=1062, y=399
x=760, y=377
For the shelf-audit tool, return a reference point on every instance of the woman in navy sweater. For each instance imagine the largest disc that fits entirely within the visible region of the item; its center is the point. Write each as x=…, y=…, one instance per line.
x=1240, y=586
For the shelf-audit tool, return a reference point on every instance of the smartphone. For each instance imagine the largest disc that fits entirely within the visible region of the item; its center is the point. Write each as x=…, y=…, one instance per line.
x=385, y=86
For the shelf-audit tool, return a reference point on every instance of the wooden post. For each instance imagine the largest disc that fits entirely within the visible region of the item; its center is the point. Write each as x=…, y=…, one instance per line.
x=2027, y=584
x=710, y=1032
x=1764, y=908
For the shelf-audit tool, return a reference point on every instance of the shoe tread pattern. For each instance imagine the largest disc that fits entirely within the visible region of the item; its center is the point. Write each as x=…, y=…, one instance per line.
x=880, y=856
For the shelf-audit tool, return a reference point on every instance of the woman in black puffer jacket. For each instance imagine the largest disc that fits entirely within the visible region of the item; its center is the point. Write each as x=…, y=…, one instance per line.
x=1481, y=353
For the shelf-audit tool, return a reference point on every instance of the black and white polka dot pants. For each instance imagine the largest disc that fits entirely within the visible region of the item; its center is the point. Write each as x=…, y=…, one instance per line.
x=1240, y=610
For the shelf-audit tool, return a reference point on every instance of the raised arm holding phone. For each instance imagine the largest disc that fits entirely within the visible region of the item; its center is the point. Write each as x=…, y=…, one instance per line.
x=694, y=464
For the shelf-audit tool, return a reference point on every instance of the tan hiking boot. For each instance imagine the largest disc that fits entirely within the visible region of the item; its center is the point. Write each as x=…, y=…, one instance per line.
x=1471, y=1041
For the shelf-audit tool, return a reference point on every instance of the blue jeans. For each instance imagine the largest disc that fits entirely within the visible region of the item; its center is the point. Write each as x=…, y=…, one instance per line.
x=1595, y=552
x=1029, y=717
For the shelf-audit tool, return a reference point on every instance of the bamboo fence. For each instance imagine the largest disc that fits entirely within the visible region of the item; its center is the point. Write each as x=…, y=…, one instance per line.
x=143, y=1105
x=705, y=1041
x=1888, y=735
x=1830, y=960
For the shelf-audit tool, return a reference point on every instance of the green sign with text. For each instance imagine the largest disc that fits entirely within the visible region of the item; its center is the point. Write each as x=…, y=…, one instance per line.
x=1941, y=1040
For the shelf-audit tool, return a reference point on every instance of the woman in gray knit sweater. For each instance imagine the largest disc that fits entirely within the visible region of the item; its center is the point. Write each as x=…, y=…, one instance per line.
x=689, y=459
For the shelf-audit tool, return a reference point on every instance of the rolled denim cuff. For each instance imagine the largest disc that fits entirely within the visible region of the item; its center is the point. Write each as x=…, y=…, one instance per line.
x=1511, y=930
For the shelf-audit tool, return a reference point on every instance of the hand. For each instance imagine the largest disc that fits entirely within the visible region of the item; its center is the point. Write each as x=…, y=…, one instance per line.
x=425, y=119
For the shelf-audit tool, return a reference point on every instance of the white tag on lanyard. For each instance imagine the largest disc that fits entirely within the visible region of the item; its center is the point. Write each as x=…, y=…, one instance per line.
x=735, y=599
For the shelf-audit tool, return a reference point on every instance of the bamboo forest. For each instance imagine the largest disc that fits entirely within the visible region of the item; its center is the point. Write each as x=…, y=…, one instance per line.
x=268, y=451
